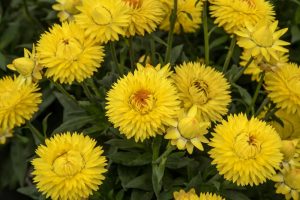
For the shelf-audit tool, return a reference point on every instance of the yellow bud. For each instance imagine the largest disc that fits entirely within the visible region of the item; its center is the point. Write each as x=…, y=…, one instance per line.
x=101, y=15
x=24, y=66
x=191, y=127
x=288, y=149
x=292, y=178
x=263, y=35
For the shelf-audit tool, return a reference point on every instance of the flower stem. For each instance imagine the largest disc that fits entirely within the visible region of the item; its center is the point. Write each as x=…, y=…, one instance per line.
x=206, y=37
x=87, y=92
x=64, y=91
x=38, y=137
x=261, y=107
x=240, y=73
x=252, y=105
x=171, y=32
x=94, y=88
x=115, y=59
x=229, y=54
x=131, y=53
x=152, y=51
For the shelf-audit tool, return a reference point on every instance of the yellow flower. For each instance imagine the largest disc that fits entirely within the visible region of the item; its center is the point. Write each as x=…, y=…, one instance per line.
x=69, y=166
x=67, y=9
x=182, y=195
x=5, y=133
x=188, y=15
x=257, y=66
x=288, y=183
x=234, y=14
x=283, y=87
x=68, y=54
x=28, y=66
x=262, y=40
x=145, y=16
x=104, y=20
x=204, y=87
x=142, y=104
x=19, y=100
x=290, y=153
x=164, y=71
x=246, y=152
x=188, y=132
x=290, y=127
x=209, y=196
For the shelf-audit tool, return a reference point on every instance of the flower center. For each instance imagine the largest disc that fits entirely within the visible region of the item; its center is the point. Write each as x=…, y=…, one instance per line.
x=292, y=178
x=101, y=16
x=199, y=92
x=251, y=3
x=142, y=101
x=68, y=164
x=263, y=36
x=246, y=146
x=134, y=3
x=68, y=49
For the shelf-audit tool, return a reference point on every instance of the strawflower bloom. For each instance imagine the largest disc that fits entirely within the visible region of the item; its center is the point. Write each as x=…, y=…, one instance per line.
x=283, y=87
x=204, y=87
x=182, y=195
x=189, y=131
x=209, y=196
x=19, y=100
x=163, y=71
x=68, y=54
x=262, y=40
x=28, y=66
x=69, y=166
x=4, y=134
x=246, y=152
x=257, y=66
x=142, y=104
x=288, y=183
x=290, y=150
x=188, y=18
x=234, y=14
x=104, y=20
x=146, y=15
x=66, y=9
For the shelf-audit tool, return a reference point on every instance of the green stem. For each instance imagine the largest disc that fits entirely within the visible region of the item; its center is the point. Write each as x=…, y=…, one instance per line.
x=206, y=36
x=252, y=105
x=38, y=137
x=65, y=92
x=262, y=106
x=171, y=32
x=152, y=51
x=240, y=73
x=87, y=92
x=95, y=88
x=30, y=17
x=229, y=54
x=169, y=150
x=131, y=53
x=115, y=59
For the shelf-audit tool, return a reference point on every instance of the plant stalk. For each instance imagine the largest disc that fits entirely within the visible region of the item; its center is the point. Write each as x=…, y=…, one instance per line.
x=229, y=54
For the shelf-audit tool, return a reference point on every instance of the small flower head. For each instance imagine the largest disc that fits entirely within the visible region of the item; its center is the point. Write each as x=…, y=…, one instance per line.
x=182, y=195
x=163, y=71
x=68, y=54
x=104, y=20
x=189, y=131
x=257, y=66
x=262, y=40
x=4, y=134
x=288, y=183
x=289, y=150
x=66, y=9
x=28, y=66
x=142, y=104
x=146, y=15
x=204, y=87
x=234, y=14
x=283, y=87
x=246, y=152
x=209, y=196
x=188, y=17
x=19, y=100
x=69, y=166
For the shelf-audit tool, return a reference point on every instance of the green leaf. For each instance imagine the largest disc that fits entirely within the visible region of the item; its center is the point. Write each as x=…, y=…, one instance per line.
x=74, y=124
x=295, y=31
x=44, y=124
x=141, y=195
x=157, y=39
x=125, y=143
x=234, y=195
x=175, y=53
x=9, y=34
x=126, y=174
x=218, y=42
x=31, y=191
x=177, y=160
x=140, y=182
x=131, y=158
x=244, y=94
x=2, y=62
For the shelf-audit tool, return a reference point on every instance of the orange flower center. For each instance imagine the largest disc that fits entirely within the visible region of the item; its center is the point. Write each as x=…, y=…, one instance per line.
x=134, y=3
x=142, y=101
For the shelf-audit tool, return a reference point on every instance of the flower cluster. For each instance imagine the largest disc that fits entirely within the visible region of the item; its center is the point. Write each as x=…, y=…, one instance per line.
x=191, y=195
